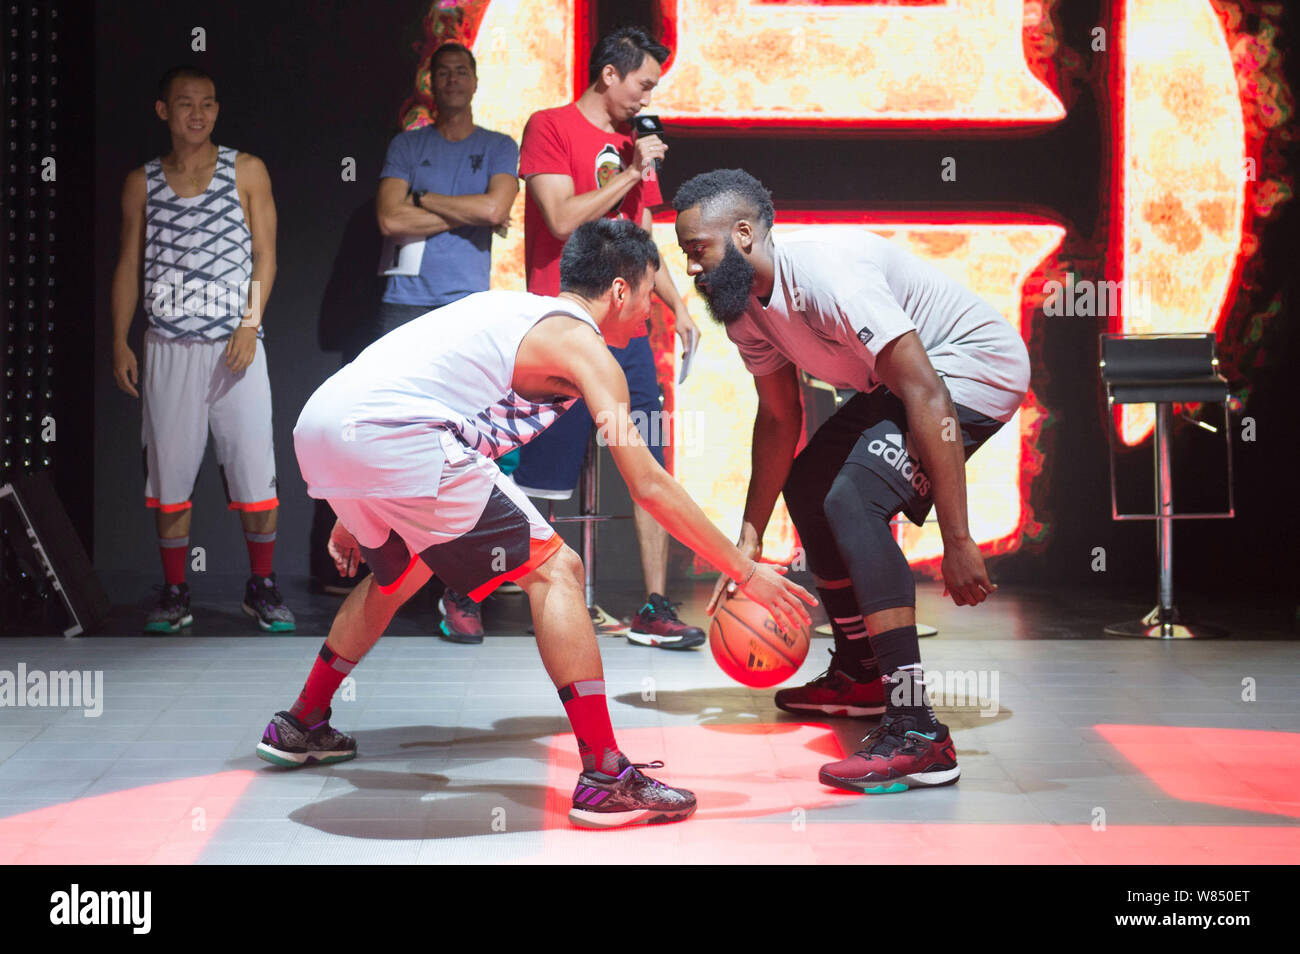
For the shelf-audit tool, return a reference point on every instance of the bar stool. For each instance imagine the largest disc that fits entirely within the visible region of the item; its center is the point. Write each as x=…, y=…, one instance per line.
x=1163, y=370
x=588, y=515
x=813, y=419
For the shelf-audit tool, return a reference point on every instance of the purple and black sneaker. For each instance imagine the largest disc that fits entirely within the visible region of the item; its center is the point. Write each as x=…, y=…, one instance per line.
x=629, y=798
x=263, y=602
x=290, y=743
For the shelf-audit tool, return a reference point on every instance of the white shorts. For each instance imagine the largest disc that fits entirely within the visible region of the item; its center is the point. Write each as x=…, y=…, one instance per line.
x=187, y=390
x=480, y=531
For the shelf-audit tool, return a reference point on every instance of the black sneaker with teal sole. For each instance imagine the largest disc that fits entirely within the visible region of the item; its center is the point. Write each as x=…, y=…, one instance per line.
x=289, y=743
x=263, y=602
x=629, y=798
x=172, y=613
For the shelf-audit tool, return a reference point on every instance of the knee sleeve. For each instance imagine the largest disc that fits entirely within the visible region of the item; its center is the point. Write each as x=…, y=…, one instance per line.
x=805, y=492
x=858, y=508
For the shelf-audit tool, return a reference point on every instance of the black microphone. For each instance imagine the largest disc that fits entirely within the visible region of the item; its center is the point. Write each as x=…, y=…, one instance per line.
x=649, y=126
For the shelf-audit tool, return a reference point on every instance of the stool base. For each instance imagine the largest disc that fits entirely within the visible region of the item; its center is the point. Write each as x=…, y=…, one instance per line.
x=1165, y=625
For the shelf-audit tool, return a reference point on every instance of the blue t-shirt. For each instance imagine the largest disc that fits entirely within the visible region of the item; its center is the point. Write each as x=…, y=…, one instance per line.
x=457, y=262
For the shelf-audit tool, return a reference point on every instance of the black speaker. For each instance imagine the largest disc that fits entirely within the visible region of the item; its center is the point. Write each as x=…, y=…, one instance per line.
x=45, y=543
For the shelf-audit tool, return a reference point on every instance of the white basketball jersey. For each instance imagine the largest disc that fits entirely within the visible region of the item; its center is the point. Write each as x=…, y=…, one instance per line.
x=379, y=427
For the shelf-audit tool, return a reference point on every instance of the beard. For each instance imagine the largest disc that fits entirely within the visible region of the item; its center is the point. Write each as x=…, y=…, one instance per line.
x=728, y=286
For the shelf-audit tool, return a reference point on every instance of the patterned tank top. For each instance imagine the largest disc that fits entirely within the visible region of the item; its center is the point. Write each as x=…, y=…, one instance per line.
x=198, y=255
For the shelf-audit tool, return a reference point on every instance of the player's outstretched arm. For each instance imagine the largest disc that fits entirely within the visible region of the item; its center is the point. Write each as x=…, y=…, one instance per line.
x=126, y=278
x=932, y=424
x=778, y=424
x=601, y=382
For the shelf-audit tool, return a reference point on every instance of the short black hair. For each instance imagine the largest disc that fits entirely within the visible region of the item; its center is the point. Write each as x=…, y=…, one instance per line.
x=181, y=72
x=452, y=48
x=625, y=50
x=600, y=251
x=731, y=192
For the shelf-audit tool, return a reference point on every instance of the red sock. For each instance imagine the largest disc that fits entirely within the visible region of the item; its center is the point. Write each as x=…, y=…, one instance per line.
x=328, y=671
x=261, y=547
x=174, y=550
x=584, y=703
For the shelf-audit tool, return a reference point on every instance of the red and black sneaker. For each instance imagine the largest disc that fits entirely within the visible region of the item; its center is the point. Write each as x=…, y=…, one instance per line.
x=462, y=618
x=657, y=624
x=834, y=693
x=897, y=756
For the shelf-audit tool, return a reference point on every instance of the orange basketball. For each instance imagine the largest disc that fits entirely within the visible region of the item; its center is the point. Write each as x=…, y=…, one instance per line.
x=750, y=649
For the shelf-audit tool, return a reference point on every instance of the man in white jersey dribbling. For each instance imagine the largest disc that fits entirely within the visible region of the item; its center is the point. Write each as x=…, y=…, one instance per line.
x=402, y=443
x=200, y=223
x=937, y=370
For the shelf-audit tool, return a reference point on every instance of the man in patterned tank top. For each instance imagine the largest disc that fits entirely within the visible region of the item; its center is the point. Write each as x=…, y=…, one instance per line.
x=200, y=222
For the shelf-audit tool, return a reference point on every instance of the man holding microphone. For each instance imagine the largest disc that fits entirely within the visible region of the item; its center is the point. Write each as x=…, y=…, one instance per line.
x=582, y=162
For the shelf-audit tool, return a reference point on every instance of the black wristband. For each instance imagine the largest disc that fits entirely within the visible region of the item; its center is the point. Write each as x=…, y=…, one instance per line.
x=416, y=196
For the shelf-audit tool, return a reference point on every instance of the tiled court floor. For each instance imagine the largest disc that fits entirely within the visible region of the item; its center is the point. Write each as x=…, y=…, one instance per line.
x=1107, y=751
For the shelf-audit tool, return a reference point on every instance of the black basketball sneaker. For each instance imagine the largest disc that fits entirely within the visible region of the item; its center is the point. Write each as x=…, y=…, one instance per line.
x=172, y=613
x=263, y=602
x=291, y=743
x=629, y=798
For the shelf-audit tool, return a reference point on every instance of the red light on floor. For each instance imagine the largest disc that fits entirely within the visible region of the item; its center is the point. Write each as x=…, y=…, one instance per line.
x=167, y=823
x=756, y=783
x=1249, y=769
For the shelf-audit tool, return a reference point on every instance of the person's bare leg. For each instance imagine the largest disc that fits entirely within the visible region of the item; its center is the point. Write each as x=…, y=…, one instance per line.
x=653, y=541
x=259, y=521
x=566, y=639
x=884, y=620
x=173, y=524
x=366, y=613
x=610, y=792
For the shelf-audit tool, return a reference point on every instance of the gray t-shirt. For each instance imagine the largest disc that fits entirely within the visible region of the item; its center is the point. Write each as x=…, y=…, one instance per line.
x=841, y=294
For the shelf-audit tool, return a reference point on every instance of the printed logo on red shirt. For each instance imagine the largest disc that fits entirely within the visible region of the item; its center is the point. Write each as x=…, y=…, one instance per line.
x=608, y=165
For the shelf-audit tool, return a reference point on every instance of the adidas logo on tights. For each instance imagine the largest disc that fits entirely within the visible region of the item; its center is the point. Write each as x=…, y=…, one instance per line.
x=893, y=453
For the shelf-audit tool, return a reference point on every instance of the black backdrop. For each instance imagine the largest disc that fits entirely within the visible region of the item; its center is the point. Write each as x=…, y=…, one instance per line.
x=306, y=85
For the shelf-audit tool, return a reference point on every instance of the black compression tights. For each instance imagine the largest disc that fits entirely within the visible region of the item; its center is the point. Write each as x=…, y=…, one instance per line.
x=845, y=533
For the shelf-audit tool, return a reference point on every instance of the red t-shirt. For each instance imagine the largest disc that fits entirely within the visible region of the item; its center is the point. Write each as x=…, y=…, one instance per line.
x=563, y=142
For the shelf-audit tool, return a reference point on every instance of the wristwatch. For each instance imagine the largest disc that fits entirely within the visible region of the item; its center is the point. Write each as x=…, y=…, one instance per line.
x=416, y=196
